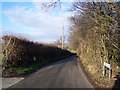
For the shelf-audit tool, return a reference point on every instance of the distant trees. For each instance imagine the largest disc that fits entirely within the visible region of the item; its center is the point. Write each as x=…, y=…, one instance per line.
x=95, y=32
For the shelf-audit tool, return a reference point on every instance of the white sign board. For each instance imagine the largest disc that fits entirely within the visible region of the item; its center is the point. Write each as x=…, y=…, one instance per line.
x=107, y=65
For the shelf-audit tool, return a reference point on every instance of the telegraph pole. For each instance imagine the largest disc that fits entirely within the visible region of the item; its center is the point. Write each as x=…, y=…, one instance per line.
x=62, y=28
x=62, y=25
x=62, y=35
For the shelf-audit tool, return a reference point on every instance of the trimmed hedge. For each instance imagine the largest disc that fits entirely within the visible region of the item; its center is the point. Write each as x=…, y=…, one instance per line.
x=20, y=52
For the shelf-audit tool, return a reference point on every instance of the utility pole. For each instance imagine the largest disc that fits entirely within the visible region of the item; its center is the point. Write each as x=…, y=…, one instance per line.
x=62, y=28
x=62, y=35
x=62, y=25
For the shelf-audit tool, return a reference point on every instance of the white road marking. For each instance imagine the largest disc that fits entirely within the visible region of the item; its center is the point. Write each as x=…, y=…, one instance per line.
x=49, y=67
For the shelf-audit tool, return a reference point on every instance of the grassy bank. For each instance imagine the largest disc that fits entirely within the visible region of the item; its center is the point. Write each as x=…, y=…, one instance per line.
x=23, y=71
x=72, y=50
x=97, y=78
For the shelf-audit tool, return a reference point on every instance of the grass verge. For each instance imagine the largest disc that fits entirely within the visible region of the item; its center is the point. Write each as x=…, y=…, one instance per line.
x=24, y=71
x=72, y=50
x=96, y=78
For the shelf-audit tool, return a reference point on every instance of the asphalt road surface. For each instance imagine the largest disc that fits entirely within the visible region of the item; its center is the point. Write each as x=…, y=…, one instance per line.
x=66, y=73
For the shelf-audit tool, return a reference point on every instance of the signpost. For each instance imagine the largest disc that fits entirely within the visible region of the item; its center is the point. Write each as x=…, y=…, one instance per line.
x=107, y=65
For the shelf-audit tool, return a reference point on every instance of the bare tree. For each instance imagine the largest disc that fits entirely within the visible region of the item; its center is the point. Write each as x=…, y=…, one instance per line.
x=95, y=33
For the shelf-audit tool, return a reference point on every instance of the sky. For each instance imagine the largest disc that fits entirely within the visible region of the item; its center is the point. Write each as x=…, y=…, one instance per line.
x=32, y=21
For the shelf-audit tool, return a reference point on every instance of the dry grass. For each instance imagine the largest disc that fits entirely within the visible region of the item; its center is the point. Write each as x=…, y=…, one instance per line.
x=95, y=73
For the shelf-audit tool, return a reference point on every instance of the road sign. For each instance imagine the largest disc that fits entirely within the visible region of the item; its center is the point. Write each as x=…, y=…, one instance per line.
x=107, y=65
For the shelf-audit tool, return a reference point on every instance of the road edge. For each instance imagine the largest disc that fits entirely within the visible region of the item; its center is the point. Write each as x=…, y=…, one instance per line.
x=87, y=74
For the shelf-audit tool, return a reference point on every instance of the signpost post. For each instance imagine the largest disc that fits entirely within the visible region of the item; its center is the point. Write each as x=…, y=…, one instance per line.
x=107, y=65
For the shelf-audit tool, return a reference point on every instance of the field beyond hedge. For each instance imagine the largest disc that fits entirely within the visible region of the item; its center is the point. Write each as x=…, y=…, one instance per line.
x=23, y=56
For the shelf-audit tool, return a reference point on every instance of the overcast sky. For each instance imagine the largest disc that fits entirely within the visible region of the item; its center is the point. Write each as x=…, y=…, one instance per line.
x=32, y=21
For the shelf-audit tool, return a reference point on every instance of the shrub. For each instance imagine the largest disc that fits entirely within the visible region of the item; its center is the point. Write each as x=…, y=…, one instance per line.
x=19, y=52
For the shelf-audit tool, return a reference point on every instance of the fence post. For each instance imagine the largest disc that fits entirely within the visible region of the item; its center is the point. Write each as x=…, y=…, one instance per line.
x=103, y=71
x=110, y=73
